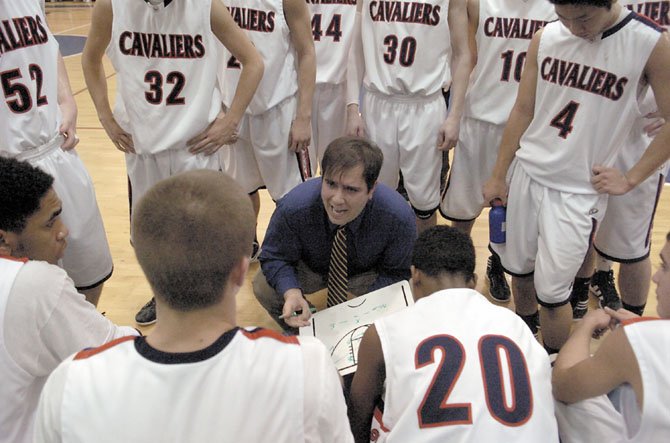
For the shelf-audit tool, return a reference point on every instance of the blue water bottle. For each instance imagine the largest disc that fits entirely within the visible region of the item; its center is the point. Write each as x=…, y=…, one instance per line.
x=497, y=216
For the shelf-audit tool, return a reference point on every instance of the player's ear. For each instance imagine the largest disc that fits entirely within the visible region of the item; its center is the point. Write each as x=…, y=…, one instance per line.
x=239, y=272
x=7, y=243
x=473, y=282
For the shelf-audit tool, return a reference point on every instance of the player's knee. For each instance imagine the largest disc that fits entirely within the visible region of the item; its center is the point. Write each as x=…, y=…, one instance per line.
x=424, y=214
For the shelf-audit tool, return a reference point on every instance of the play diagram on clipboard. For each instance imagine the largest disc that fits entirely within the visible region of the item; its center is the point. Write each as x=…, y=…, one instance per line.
x=341, y=327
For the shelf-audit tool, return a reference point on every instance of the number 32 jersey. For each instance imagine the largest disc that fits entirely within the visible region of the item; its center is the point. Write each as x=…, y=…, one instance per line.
x=29, y=113
x=166, y=59
x=406, y=45
x=459, y=368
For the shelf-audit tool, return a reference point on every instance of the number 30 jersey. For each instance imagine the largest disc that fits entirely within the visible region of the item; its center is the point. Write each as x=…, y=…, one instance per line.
x=587, y=98
x=503, y=34
x=29, y=113
x=166, y=59
x=406, y=45
x=459, y=368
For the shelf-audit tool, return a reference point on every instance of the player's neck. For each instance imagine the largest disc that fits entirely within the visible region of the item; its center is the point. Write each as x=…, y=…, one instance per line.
x=431, y=285
x=178, y=331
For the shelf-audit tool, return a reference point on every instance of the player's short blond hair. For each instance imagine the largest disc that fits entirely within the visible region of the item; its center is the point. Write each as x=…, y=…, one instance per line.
x=189, y=232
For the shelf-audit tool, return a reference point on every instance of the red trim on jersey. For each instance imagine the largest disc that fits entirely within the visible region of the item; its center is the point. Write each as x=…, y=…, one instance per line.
x=380, y=419
x=89, y=352
x=19, y=259
x=640, y=319
x=267, y=333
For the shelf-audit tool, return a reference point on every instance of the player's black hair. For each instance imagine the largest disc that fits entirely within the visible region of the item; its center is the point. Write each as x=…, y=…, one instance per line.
x=444, y=250
x=348, y=152
x=597, y=3
x=22, y=186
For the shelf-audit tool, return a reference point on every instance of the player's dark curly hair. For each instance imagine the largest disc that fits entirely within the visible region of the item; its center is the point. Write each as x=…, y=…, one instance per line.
x=597, y=3
x=22, y=186
x=348, y=152
x=444, y=250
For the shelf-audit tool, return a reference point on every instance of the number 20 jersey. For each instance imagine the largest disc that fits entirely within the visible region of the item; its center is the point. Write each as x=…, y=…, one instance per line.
x=587, y=98
x=406, y=45
x=166, y=59
x=29, y=113
x=503, y=34
x=459, y=368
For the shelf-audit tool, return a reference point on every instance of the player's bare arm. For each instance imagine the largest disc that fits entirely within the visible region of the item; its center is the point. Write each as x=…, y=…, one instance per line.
x=355, y=73
x=473, y=25
x=223, y=130
x=577, y=375
x=461, y=66
x=295, y=302
x=68, y=108
x=94, y=74
x=657, y=72
x=299, y=23
x=367, y=385
x=519, y=119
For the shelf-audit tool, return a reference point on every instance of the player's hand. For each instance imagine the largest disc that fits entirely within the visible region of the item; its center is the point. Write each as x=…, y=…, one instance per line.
x=68, y=125
x=447, y=136
x=610, y=181
x=121, y=139
x=355, y=125
x=495, y=189
x=654, y=126
x=597, y=321
x=300, y=135
x=222, y=131
x=295, y=302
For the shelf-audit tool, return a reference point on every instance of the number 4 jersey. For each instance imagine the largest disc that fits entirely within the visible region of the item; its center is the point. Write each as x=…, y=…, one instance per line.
x=459, y=368
x=587, y=98
x=28, y=76
x=166, y=59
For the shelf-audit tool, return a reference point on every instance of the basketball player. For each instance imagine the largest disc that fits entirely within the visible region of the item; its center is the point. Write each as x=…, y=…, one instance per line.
x=219, y=382
x=453, y=367
x=168, y=115
x=619, y=392
x=500, y=31
x=272, y=149
x=624, y=234
x=592, y=65
x=332, y=29
x=403, y=54
x=38, y=117
x=43, y=318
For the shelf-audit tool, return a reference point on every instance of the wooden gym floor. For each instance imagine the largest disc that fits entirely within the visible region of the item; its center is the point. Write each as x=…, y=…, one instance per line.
x=127, y=290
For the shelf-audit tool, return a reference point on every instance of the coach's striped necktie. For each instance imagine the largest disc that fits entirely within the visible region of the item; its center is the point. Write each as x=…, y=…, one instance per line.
x=337, y=272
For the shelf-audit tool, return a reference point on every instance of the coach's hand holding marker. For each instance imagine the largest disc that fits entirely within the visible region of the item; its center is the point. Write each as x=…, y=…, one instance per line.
x=312, y=310
x=296, y=311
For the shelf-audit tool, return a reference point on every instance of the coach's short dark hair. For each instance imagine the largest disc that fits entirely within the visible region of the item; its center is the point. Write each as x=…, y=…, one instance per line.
x=22, y=186
x=597, y=3
x=348, y=152
x=444, y=250
x=189, y=232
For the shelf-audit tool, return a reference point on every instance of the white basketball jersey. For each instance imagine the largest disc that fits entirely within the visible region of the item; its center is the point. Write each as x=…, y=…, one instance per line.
x=406, y=45
x=459, y=368
x=587, y=99
x=18, y=391
x=503, y=34
x=166, y=59
x=29, y=112
x=332, y=29
x=266, y=27
x=649, y=338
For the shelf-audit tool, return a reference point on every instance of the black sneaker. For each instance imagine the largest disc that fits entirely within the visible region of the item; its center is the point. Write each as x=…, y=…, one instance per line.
x=498, y=287
x=147, y=315
x=602, y=286
x=579, y=298
x=255, y=252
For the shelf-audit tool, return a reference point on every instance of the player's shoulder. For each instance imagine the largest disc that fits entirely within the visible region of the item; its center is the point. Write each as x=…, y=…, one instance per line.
x=302, y=197
x=91, y=352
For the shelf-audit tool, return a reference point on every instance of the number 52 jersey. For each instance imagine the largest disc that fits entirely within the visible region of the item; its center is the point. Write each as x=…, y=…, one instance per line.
x=459, y=368
x=166, y=59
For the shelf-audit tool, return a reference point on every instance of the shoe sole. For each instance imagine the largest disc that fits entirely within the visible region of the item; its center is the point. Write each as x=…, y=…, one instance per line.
x=146, y=323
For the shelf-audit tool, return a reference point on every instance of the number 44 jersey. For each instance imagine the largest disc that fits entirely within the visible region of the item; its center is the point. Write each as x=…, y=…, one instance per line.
x=459, y=368
x=166, y=58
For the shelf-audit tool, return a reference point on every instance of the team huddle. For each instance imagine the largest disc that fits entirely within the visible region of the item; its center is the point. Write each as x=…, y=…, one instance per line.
x=556, y=111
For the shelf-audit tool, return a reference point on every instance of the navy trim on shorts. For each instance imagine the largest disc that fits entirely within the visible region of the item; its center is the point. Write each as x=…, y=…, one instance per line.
x=424, y=214
x=101, y=281
x=659, y=189
x=620, y=260
x=454, y=218
x=256, y=190
x=507, y=271
x=552, y=305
